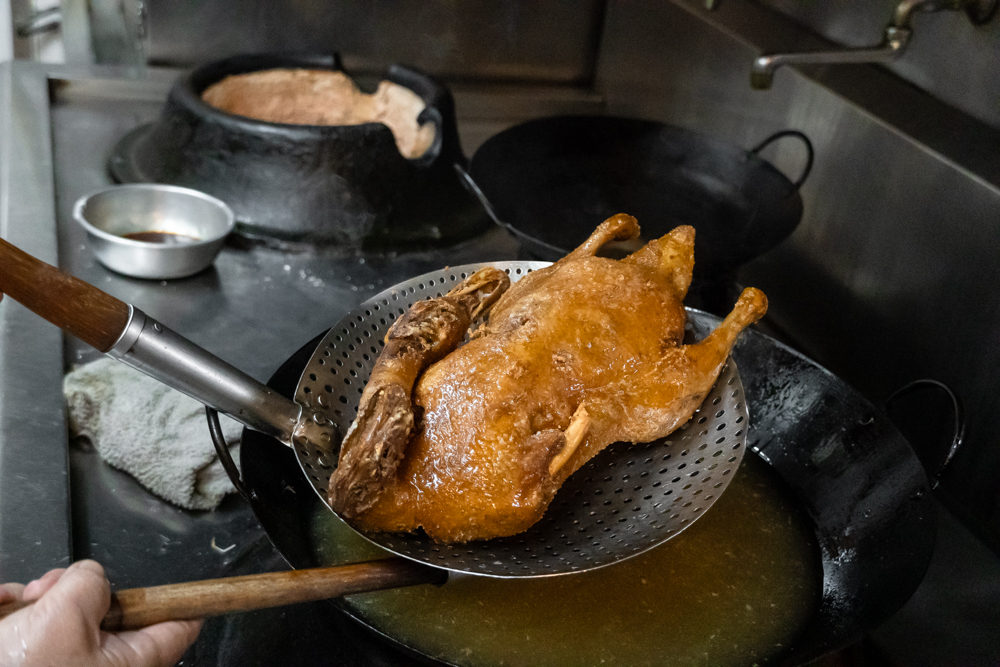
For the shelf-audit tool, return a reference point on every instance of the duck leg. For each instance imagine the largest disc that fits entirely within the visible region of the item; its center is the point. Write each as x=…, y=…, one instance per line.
x=376, y=441
x=546, y=452
x=685, y=374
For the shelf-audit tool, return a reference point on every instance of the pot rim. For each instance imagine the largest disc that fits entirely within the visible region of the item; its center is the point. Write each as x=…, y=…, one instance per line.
x=189, y=88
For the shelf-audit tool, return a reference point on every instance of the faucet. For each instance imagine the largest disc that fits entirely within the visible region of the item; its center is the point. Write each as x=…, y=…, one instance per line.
x=894, y=39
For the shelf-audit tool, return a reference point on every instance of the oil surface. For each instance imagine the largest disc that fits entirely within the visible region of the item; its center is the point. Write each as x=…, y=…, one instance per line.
x=163, y=238
x=733, y=589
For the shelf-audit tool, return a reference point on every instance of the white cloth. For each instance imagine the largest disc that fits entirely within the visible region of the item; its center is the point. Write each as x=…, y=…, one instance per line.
x=153, y=432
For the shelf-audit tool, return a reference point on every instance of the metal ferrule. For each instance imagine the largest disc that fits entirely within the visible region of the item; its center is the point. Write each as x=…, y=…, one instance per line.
x=152, y=348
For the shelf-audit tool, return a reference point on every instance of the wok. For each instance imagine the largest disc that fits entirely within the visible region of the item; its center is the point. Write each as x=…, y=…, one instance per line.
x=855, y=474
x=549, y=181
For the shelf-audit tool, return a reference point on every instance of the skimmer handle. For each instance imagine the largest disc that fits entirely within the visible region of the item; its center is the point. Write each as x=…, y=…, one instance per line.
x=141, y=607
x=91, y=315
x=128, y=335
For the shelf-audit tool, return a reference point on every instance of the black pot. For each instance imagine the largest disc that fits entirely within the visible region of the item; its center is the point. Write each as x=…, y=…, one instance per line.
x=857, y=477
x=321, y=184
x=550, y=181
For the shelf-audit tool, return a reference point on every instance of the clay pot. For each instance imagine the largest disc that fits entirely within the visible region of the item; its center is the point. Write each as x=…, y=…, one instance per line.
x=345, y=184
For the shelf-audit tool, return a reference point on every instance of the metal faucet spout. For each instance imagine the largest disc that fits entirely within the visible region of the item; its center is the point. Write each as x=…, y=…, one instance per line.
x=892, y=46
x=894, y=40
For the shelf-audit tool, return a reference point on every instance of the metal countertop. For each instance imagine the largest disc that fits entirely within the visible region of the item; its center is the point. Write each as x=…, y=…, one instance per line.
x=253, y=309
x=60, y=502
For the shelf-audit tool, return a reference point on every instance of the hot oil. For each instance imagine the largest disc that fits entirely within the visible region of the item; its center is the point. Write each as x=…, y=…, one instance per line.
x=733, y=589
x=162, y=238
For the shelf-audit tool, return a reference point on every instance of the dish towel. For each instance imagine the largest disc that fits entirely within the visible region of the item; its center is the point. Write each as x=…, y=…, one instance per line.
x=155, y=433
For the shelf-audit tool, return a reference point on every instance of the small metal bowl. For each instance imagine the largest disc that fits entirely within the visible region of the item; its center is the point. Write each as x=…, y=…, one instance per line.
x=154, y=231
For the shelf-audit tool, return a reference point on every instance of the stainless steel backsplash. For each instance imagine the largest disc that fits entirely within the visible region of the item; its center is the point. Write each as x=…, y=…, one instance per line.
x=891, y=272
x=891, y=275
x=509, y=40
x=948, y=56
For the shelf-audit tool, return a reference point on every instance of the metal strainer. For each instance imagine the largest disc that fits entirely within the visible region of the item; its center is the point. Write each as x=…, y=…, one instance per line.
x=624, y=501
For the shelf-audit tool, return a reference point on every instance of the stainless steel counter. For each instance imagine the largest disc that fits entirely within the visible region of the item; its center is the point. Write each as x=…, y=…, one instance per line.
x=34, y=469
x=60, y=502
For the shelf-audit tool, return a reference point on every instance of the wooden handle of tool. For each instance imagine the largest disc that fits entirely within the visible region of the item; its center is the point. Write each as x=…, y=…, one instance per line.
x=141, y=607
x=79, y=308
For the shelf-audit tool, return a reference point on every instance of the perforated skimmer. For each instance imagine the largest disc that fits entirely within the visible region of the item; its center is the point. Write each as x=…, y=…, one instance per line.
x=626, y=500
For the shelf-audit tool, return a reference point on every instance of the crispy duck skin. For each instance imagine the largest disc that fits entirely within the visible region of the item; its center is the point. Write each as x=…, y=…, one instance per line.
x=575, y=356
x=373, y=447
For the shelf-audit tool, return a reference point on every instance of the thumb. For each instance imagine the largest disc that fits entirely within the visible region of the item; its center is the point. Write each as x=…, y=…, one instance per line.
x=82, y=587
x=159, y=645
x=65, y=621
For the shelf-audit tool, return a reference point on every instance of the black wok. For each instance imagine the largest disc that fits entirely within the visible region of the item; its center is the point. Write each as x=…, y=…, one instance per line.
x=855, y=474
x=550, y=181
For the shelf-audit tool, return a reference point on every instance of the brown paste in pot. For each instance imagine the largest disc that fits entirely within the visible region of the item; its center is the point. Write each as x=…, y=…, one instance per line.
x=323, y=97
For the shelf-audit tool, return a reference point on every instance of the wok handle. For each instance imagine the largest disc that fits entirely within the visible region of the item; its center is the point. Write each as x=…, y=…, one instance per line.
x=141, y=607
x=91, y=315
x=810, y=152
x=222, y=450
x=958, y=416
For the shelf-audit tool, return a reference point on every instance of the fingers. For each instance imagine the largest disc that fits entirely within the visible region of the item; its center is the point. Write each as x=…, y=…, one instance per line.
x=161, y=645
x=39, y=587
x=34, y=590
x=72, y=603
x=84, y=587
x=11, y=592
x=62, y=627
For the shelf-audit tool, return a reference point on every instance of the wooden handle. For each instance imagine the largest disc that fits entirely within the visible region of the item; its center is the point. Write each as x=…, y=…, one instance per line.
x=140, y=607
x=79, y=308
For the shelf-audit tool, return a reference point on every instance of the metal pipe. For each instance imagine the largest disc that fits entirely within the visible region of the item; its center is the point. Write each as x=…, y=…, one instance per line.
x=165, y=355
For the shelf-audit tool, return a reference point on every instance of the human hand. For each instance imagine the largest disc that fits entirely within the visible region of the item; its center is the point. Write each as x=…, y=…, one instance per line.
x=63, y=626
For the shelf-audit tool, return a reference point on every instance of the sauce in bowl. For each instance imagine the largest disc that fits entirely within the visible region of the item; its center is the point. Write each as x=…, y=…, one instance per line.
x=733, y=589
x=163, y=238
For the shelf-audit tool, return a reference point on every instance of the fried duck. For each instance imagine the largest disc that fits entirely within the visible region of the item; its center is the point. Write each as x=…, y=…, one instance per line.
x=473, y=442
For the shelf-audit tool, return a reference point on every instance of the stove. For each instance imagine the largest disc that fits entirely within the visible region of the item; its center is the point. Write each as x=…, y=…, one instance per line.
x=59, y=502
